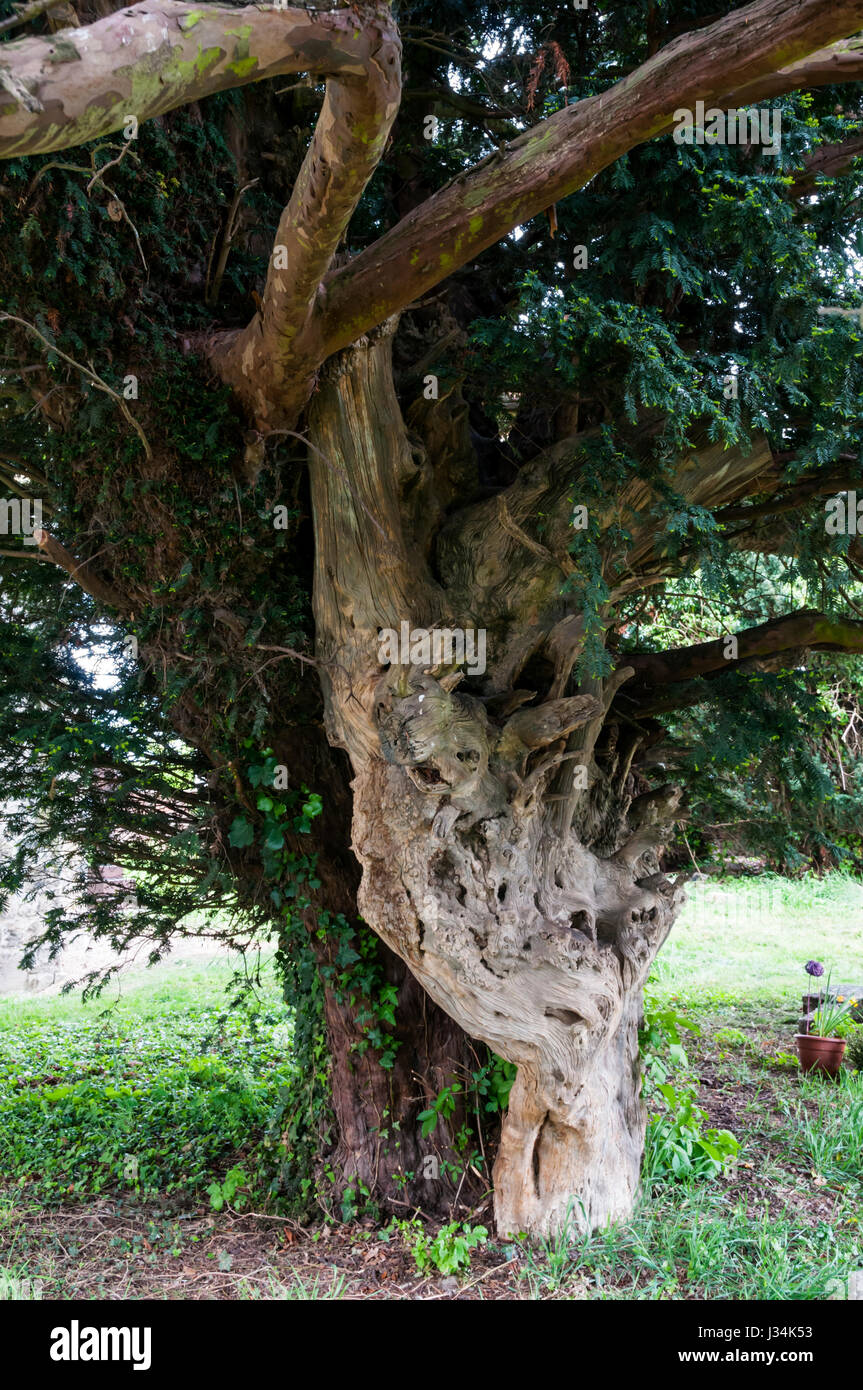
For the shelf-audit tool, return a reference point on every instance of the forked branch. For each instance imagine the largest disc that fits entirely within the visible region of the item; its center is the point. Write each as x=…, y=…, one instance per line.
x=153, y=57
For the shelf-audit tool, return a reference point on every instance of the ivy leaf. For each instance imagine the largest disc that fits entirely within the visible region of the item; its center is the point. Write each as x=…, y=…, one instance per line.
x=275, y=840
x=241, y=834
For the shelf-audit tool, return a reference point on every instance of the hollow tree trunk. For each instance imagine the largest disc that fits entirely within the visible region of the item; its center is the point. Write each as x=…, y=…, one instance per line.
x=524, y=905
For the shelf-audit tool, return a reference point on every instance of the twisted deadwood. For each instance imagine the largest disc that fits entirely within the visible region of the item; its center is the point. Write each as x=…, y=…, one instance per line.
x=525, y=935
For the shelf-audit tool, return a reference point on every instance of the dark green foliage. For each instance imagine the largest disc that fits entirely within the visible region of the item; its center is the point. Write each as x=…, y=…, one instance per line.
x=771, y=759
x=698, y=264
x=186, y=1100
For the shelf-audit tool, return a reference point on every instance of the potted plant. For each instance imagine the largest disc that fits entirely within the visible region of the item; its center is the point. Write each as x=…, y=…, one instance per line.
x=822, y=1046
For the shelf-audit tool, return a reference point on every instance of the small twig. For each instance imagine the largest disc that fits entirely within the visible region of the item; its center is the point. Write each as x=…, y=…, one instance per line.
x=9, y=482
x=127, y=219
x=841, y=766
x=211, y=291
x=38, y=404
x=86, y=371
x=689, y=848
x=286, y=651
x=290, y=651
x=268, y=1216
x=69, y=168
x=298, y=656
x=495, y=1269
x=97, y=177
x=46, y=168
x=293, y=87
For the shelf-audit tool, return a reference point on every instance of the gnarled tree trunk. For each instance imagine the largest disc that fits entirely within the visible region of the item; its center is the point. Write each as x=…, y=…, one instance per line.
x=513, y=888
x=525, y=898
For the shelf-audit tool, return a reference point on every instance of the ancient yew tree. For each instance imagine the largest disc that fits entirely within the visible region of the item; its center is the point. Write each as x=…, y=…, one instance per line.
x=317, y=325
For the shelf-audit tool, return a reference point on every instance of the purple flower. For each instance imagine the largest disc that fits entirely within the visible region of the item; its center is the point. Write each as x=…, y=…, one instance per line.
x=814, y=967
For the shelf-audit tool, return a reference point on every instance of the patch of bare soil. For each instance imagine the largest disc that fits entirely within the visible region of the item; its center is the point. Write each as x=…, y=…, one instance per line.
x=112, y=1250
x=743, y=1092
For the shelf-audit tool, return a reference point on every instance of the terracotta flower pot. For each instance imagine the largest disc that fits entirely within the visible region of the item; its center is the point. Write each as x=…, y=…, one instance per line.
x=820, y=1054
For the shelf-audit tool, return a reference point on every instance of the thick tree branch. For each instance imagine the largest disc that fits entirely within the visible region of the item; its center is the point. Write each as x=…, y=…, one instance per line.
x=760, y=51
x=829, y=66
x=490, y=557
x=789, y=499
x=146, y=60
x=503, y=569
x=152, y=57
x=81, y=572
x=39, y=7
x=826, y=162
x=804, y=630
x=271, y=363
x=772, y=527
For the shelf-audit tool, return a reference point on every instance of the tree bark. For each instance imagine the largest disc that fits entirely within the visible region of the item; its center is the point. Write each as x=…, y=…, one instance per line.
x=534, y=935
x=376, y=1147
x=379, y=1148
x=144, y=60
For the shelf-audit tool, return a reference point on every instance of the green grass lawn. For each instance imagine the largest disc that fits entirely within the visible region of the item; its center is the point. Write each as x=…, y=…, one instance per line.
x=173, y=986
x=195, y=1094
x=749, y=939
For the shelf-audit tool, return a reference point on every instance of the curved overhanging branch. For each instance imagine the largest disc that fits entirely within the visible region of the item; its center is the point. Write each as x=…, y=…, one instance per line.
x=271, y=364
x=150, y=58
x=763, y=50
x=647, y=692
